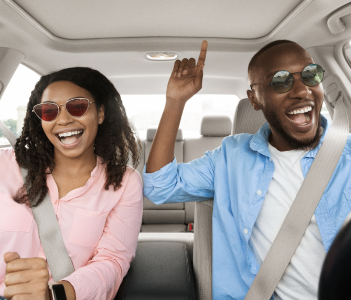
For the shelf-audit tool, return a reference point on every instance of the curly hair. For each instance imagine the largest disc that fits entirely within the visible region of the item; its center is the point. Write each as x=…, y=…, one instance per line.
x=115, y=142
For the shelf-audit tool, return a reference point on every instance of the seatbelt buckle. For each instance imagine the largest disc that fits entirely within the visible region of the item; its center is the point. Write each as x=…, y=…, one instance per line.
x=191, y=227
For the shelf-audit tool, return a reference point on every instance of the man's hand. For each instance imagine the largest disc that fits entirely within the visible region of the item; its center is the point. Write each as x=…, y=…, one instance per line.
x=185, y=82
x=26, y=278
x=186, y=78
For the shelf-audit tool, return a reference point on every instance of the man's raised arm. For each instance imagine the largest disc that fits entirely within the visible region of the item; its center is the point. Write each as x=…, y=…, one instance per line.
x=185, y=82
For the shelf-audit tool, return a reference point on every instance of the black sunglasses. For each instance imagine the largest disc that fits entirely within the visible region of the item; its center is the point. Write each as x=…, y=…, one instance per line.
x=283, y=81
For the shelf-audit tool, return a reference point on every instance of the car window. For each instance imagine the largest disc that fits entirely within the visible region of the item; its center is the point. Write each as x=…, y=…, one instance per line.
x=13, y=103
x=144, y=111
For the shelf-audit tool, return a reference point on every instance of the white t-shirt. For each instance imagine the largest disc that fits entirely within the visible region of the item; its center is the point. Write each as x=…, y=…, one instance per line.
x=300, y=280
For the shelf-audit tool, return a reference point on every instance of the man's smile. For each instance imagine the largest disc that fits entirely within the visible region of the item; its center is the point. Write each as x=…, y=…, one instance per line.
x=302, y=116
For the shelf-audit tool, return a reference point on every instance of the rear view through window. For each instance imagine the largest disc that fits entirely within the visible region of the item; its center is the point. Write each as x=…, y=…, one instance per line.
x=144, y=111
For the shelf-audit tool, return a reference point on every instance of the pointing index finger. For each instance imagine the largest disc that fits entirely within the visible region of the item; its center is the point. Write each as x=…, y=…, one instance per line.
x=202, y=56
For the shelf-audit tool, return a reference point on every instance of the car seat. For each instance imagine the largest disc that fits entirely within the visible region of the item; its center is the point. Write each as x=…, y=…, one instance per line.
x=246, y=120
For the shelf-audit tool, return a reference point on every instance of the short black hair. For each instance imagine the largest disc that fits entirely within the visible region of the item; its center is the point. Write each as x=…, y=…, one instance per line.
x=254, y=59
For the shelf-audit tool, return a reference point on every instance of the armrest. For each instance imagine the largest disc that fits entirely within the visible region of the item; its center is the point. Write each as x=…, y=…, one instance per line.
x=160, y=270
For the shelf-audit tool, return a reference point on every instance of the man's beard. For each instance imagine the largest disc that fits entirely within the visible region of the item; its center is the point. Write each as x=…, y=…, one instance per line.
x=303, y=144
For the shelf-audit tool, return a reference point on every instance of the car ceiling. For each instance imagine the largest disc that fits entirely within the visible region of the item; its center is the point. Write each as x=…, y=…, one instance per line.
x=113, y=36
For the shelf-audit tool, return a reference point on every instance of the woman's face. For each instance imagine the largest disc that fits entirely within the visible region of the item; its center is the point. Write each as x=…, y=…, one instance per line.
x=71, y=136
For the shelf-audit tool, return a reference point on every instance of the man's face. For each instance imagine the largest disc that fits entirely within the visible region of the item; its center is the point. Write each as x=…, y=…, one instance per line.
x=291, y=128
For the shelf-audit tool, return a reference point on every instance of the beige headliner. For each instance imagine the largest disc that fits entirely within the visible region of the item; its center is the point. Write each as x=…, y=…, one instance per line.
x=113, y=36
x=91, y=19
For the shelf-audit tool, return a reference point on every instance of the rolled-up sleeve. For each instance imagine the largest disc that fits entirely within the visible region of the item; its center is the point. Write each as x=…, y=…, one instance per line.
x=103, y=274
x=183, y=182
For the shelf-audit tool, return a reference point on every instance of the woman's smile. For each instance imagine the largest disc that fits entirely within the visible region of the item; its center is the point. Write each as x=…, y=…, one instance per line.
x=70, y=137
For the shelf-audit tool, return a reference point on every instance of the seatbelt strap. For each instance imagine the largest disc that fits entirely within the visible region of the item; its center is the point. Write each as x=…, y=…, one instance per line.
x=8, y=133
x=303, y=207
x=49, y=230
x=59, y=262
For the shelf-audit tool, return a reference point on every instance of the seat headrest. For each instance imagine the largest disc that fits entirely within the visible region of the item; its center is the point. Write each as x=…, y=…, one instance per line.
x=216, y=125
x=246, y=119
x=150, y=134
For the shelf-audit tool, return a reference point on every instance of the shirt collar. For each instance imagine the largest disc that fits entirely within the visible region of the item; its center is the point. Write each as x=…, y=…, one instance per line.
x=259, y=141
x=95, y=174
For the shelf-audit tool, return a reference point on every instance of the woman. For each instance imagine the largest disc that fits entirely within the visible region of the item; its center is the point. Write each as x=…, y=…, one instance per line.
x=75, y=144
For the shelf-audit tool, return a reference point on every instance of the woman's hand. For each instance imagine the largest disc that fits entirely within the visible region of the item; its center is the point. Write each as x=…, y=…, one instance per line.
x=26, y=278
x=186, y=78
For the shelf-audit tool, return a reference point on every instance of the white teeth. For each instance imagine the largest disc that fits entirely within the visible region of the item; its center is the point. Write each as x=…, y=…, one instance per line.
x=66, y=134
x=300, y=111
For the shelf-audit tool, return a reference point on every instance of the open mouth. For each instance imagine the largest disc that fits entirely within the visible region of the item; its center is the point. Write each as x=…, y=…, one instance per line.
x=301, y=116
x=71, y=137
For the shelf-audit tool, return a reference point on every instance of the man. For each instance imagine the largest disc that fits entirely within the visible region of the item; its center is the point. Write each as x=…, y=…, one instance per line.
x=254, y=178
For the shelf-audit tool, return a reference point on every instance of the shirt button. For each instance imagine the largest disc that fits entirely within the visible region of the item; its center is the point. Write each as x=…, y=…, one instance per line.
x=259, y=192
x=270, y=160
x=246, y=231
x=56, y=202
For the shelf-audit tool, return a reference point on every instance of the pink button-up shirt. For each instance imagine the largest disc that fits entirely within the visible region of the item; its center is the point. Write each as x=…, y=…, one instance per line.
x=99, y=228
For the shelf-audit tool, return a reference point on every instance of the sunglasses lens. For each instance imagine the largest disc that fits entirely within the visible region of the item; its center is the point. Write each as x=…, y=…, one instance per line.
x=282, y=81
x=312, y=75
x=46, y=111
x=77, y=107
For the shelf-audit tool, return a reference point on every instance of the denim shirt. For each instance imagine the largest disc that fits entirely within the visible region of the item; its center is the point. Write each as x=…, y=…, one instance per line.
x=237, y=175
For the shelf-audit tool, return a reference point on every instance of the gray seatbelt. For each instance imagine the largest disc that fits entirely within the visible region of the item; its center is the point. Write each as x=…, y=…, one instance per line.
x=50, y=235
x=8, y=133
x=303, y=207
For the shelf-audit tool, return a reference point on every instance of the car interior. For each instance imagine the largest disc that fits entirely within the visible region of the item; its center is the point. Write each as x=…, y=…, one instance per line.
x=135, y=43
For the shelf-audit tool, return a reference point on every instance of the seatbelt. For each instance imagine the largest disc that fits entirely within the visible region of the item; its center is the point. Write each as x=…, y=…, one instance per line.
x=8, y=133
x=50, y=235
x=303, y=207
